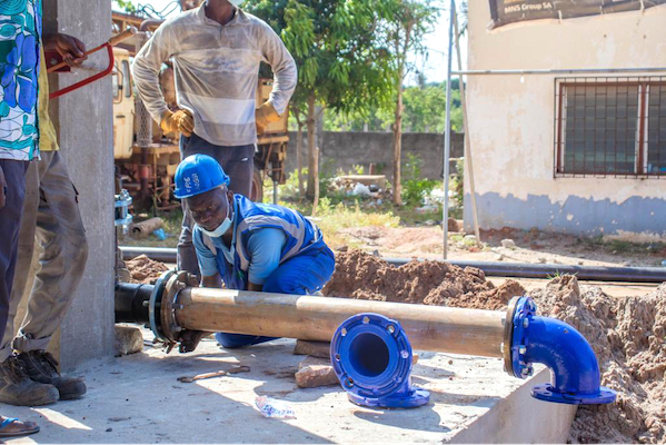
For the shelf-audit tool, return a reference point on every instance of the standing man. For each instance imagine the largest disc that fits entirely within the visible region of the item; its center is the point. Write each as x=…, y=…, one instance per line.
x=216, y=50
x=249, y=246
x=50, y=216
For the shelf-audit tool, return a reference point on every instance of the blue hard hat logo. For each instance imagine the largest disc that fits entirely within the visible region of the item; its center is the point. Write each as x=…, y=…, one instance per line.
x=198, y=174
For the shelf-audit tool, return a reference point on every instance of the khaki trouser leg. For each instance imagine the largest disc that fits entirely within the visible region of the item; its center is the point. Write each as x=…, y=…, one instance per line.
x=64, y=251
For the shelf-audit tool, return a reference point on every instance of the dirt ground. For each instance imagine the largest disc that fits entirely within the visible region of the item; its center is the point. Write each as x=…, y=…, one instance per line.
x=627, y=331
x=532, y=246
x=143, y=270
x=627, y=334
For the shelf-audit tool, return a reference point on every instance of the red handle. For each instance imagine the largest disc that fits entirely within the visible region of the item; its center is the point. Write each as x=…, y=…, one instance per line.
x=91, y=79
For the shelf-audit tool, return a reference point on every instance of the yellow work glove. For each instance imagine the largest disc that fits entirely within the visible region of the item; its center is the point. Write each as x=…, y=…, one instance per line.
x=265, y=115
x=181, y=120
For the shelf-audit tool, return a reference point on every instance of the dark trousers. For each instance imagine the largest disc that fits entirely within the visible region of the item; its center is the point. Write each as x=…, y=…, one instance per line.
x=238, y=163
x=10, y=222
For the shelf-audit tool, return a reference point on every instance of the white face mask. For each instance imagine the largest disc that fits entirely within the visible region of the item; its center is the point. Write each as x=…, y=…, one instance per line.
x=222, y=228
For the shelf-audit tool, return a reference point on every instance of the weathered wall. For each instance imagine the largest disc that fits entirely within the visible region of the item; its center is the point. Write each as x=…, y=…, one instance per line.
x=83, y=120
x=344, y=149
x=512, y=124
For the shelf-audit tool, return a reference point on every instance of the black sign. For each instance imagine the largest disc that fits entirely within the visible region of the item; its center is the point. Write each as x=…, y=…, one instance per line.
x=510, y=11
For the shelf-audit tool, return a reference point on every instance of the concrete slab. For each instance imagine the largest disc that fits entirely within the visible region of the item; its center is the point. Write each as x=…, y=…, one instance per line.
x=137, y=399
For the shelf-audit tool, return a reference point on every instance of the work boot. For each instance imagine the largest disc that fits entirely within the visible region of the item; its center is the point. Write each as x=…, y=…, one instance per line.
x=16, y=388
x=42, y=367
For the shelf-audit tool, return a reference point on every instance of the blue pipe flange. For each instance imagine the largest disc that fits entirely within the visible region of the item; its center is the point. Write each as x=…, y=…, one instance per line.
x=372, y=358
x=155, y=306
x=575, y=377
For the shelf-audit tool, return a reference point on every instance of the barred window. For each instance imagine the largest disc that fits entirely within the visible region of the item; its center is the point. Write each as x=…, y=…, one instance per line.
x=611, y=126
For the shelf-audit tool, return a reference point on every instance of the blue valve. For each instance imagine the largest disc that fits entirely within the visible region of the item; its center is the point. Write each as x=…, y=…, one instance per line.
x=372, y=358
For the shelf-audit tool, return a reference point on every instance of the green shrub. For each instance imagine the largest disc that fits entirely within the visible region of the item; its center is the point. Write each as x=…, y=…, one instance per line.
x=415, y=189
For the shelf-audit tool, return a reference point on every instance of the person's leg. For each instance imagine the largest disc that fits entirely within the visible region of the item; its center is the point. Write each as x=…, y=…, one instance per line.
x=26, y=245
x=238, y=163
x=15, y=387
x=62, y=237
x=10, y=222
x=302, y=275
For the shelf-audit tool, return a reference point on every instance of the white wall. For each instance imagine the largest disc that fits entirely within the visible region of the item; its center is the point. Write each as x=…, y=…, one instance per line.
x=512, y=120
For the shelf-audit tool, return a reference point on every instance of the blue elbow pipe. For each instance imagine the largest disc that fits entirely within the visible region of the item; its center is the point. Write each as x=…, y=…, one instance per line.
x=575, y=377
x=372, y=358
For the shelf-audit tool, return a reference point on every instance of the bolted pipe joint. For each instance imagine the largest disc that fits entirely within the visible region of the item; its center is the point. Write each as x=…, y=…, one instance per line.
x=372, y=358
x=575, y=377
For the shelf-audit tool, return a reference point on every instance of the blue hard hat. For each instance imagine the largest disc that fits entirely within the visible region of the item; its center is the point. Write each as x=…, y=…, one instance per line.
x=198, y=174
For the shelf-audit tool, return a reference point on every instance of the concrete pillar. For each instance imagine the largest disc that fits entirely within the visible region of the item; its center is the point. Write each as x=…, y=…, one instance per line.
x=83, y=119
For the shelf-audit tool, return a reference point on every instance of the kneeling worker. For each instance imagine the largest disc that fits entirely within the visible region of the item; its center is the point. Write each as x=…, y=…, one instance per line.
x=249, y=246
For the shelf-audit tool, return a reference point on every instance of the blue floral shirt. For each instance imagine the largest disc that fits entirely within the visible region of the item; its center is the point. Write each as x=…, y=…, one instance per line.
x=20, y=35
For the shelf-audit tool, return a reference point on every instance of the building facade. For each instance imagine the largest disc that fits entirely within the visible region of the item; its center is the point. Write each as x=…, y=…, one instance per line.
x=580, y=153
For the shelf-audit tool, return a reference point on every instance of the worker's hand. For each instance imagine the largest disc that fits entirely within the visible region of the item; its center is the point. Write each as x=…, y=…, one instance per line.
x=265, y=115
x=181, y=120
x=71, y=49
x=189, y=340
x=3, y=189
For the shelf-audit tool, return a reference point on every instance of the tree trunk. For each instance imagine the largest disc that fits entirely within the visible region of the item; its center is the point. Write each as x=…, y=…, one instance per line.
x=397, y=148
x=313, y=159
x=299, y=160
x=315, y=200
x=401, y=48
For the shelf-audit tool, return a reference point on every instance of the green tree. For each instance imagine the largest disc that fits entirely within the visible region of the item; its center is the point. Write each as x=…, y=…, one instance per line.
x=126, y=5
x=423, y=111
x=343, y=62
x=411, y=21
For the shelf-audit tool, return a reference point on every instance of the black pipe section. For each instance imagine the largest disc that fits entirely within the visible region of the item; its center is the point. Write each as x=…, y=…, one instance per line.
x=490, y=268
x=129, y=302
x=163, y=254
x=547, y=271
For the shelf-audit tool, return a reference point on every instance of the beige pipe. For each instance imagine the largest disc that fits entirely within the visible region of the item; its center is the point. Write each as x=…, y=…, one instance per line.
x=431, y=328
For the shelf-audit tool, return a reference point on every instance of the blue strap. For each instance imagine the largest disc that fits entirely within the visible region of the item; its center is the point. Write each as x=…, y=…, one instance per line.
x=8, y=421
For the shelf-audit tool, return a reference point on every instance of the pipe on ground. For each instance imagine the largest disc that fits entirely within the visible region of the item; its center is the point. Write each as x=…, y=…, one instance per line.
x=519, y=336
x=490, y=268
x=431, y=328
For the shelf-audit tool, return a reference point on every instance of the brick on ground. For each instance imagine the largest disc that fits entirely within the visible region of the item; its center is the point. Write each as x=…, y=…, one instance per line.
x=128, y=340
x=319, y=349
x=314, y=372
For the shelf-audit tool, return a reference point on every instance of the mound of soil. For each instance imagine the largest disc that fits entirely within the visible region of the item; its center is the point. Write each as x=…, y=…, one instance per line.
x=143, y=270
x=363, y=276
x=628, y=337
x=627, y=334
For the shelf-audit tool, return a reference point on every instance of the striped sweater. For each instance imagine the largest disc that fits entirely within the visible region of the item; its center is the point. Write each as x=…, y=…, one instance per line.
x=217, y=71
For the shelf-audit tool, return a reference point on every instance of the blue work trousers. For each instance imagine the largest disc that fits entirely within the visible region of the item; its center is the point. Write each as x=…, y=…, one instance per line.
x=303, y=274
x=10, y=222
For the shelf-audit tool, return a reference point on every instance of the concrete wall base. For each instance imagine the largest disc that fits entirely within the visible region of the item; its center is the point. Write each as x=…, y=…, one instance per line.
x=520, y=418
